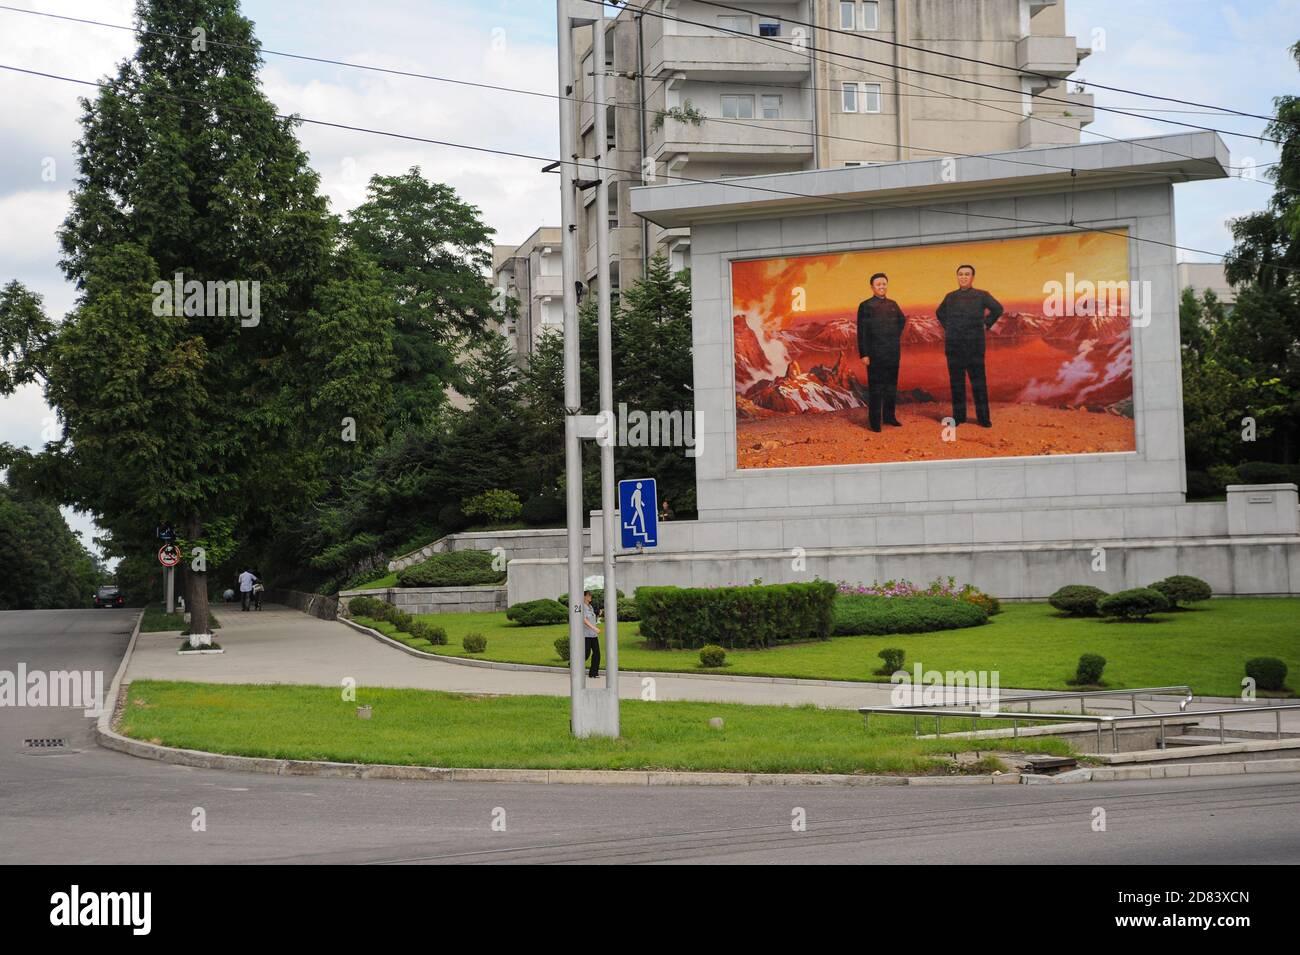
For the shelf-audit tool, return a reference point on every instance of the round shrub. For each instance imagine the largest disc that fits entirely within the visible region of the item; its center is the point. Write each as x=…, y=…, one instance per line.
x=400, y=619
x=857, y=614
x=495, y=506
x=474, y=643
x=451, y=518
x=562, y=648
x=1269, y=673
x=543, y=509
x=1077, y=600
x=893, y=658
x=712, y=655
x=538, y=613
x=427, y=631
x=1181, y=589
x=1132, y=604
x=1088, y=672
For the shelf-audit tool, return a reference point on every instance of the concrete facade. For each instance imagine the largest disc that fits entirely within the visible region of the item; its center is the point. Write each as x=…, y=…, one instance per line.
x=529, y=274
x=711, y=93
x=1019, y=527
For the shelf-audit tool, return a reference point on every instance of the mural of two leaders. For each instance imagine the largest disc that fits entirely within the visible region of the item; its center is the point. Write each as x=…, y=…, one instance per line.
x=996, y=348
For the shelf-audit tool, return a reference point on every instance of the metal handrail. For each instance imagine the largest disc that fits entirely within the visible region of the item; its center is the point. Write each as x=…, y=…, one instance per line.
x=939, y=712
x=1083, y=695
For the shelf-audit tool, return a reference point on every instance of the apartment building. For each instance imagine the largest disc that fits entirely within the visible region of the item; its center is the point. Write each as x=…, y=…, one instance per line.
x=707, y=91
x=530, y=274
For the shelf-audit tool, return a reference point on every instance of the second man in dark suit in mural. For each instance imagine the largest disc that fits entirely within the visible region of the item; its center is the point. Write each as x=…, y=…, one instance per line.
x=965, y=314
x=880, y=332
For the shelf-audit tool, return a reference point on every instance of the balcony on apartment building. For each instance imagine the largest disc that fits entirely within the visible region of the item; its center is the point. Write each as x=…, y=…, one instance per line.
x=722, y=56
x=1050, y=55
x=1055, y=123
x=746, y=141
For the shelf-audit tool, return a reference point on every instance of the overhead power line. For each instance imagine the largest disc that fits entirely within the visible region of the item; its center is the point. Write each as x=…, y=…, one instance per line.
x=867, y=35
x=507, y=89
x=912, y=69
x=857, y=204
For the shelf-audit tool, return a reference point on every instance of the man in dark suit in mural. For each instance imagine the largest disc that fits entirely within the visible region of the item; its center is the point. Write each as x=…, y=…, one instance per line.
x=880, y=331
x=965, y=314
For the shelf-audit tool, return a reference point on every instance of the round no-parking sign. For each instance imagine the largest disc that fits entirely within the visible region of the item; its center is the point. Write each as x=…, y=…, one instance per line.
x=169, y=555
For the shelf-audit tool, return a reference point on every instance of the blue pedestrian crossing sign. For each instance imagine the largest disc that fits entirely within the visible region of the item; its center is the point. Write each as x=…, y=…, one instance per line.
x=638, y=512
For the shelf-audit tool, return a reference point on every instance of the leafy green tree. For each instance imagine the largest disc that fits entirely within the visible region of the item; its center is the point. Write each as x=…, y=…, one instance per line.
x=171, y=412
x=433, y=250
x=43, y=565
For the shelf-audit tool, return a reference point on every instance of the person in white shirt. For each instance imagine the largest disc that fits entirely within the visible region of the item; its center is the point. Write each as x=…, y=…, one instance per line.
x=246, y=581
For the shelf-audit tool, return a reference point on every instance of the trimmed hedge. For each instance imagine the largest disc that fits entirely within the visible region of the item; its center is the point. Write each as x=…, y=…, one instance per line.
x=756, y=616
x=1269, y=673
x=367, y=607
x=457, y=568
x=1182, y=589
x=861, y=614
x=474, y=643
x=562, y=648
x=1077, y=600
x=1132, y=604
x=538, y=613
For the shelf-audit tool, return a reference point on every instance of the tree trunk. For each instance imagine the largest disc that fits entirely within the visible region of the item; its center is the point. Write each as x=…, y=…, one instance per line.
x=196, y=584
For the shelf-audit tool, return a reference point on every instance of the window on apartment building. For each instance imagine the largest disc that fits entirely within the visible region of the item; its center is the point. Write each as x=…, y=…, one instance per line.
x=848, y=15
x=870, y=15
x=861, y=97
x=769, y=27
x=770, y=104
x=609, y=48
x=737, y=106
x=735, y=24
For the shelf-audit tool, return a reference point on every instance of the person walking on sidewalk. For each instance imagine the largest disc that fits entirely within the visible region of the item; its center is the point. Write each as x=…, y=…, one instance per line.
x=591, y=628
x=246, y=581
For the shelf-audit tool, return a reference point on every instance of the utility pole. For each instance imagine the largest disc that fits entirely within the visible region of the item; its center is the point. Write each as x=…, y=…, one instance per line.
x=593, y=711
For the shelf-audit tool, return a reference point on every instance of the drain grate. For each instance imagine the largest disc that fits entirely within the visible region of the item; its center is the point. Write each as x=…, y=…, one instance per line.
x=45, y=742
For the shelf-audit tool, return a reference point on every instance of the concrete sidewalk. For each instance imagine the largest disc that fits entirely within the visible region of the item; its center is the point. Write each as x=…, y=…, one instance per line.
x=280, y=645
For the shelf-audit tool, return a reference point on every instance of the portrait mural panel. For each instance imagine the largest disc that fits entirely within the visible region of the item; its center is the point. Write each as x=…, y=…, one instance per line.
x=996, y=348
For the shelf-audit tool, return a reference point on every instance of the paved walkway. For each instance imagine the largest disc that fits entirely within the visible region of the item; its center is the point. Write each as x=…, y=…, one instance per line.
x=280, y=645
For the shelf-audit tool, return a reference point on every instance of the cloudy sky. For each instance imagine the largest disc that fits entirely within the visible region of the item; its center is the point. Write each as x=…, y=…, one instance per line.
x=1225, y=54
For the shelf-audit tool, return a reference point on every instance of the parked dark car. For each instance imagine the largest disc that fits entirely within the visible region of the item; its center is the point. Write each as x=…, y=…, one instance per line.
x=109, y=597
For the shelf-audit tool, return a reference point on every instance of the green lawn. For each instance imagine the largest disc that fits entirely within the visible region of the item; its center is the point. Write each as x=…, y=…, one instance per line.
x=418, y=727
x=156, y=621
x=1028, y=644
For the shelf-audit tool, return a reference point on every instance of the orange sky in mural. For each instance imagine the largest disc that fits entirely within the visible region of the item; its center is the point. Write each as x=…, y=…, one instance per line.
x=1013, y=270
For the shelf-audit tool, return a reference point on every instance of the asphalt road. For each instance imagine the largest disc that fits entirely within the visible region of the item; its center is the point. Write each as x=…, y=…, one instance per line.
x=84, y=804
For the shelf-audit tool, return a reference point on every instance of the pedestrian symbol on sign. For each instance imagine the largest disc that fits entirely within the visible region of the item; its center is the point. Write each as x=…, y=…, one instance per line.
x=638, y=508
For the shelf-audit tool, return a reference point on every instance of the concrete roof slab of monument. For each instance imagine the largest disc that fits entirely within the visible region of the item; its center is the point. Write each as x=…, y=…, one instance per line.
x=958, y=366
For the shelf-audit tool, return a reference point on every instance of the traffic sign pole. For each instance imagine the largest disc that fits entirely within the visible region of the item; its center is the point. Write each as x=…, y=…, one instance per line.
x=606, y=365
x=169, y=582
